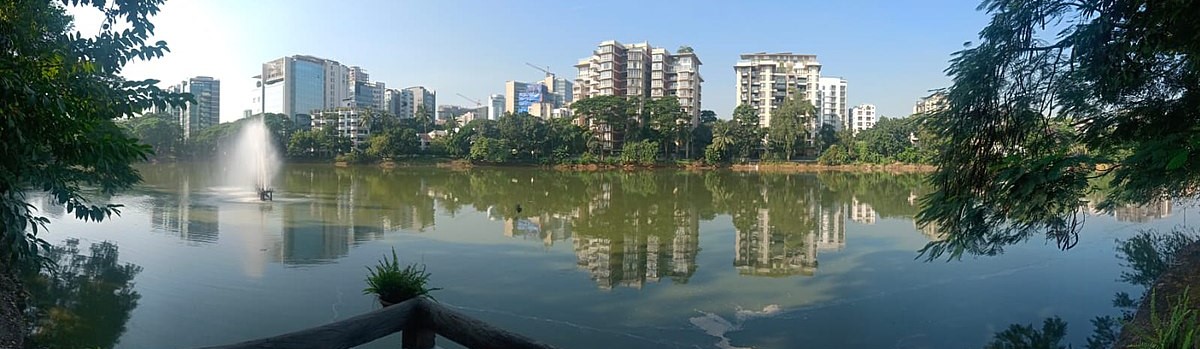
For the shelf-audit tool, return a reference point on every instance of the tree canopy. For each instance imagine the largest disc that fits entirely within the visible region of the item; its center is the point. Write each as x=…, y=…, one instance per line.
x=1054, y=94
x=60, y=94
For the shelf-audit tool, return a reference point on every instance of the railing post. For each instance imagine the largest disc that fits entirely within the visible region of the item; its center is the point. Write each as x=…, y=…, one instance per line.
x=419, y=333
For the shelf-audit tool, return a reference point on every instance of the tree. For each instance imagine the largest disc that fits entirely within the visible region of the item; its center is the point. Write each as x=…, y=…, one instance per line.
x=60, y=94
x=746, y=129
x=724, y=139
x=888, y=139
x=789, y=126
x=827, y=136
x=525, y=133
x=708, y=117
x=684, y=49
x=490, y=150
x=608, y=116
x=1028, y=122
x=160, y=131
x=423, y=118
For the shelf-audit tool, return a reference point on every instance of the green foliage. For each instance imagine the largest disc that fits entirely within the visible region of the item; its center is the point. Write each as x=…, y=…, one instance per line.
x=393, y=143
x=491, y=150
x=160, y=131
x=1027, y=337
x=60, y=94
x=1178, y=328
x=746, y=132
x=789, y=127
x=394, y=284
x=525, y=134
x=643, y=153
x=889, y=138
x=835, y=155
x=1051, y=93
x=609, y=115
x=318, y=143
x=714, y=155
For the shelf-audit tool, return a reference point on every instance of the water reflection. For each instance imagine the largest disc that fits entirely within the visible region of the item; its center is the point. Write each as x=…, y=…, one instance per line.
x=83, y=300
x=626, y=229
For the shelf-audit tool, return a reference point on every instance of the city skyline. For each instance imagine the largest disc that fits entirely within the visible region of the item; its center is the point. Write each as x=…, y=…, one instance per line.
x=892, y=53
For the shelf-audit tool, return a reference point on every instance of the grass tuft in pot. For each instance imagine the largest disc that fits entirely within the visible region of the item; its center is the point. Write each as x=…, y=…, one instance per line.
x=393, y=284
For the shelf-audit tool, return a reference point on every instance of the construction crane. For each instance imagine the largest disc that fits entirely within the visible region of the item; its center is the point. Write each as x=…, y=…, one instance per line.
x=544, y=70
x=477, y=102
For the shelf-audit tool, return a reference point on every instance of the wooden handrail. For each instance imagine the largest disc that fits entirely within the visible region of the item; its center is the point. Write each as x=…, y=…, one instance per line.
x=418, y=319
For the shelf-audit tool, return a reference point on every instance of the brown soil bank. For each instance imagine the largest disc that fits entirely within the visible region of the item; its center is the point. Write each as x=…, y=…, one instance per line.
x=815, y=167
x=1182, y=277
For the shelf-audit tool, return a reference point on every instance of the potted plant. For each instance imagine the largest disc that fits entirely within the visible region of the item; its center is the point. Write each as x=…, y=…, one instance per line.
x=393, y=284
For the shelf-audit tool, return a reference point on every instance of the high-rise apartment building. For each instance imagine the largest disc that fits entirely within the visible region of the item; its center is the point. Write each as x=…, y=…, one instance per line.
x=931, y=103
x=204, y=112
x=640, y=70
x=422, y=97
x=862, y=117
x=398, y=103
x=831, y=106
x=496, y=105
x=764, y=80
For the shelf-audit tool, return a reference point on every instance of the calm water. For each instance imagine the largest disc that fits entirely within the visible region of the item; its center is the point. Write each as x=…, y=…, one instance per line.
x=660, y=259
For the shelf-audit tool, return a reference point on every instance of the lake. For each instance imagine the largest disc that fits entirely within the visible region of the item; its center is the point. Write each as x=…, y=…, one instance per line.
x=649, y=259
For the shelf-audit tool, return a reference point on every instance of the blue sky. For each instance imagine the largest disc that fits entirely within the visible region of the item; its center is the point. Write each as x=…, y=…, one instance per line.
x=891, y=52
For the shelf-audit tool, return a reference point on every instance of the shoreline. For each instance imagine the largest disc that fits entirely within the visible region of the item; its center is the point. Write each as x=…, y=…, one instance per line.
x=774, y=167
x=1180, y=278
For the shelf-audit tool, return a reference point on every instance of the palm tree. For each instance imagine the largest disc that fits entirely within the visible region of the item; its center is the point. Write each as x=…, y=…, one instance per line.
x=423, y=118
x=452, y=124
x=724, y=136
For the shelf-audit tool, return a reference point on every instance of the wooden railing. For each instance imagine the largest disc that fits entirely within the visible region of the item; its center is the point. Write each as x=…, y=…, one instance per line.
x=419, y=320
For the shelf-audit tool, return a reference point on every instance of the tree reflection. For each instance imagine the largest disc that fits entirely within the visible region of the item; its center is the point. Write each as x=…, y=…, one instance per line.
x=1146, y=256
x=81, y=300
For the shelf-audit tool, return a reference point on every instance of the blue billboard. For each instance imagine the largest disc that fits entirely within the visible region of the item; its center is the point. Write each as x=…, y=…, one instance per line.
x=533, y=93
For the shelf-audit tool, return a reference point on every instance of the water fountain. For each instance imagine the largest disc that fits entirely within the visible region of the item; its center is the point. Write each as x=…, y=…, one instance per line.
x=253, y=161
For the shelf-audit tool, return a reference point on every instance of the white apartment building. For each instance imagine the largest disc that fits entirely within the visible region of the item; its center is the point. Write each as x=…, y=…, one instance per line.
x=347, y=121
x=616, y=69
x=495, y=107
x=831, y=110
x=862, y=117
x=931, y=103
x=764, y=80
x=337, y=83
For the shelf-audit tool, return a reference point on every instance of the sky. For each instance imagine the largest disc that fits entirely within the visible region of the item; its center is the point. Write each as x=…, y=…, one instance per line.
x=890, y=52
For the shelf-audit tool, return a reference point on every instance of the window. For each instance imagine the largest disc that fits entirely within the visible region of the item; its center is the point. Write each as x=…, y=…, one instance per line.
x=657, y=66
x=658, y=56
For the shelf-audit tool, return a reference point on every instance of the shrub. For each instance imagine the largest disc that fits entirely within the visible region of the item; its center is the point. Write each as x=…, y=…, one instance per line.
x=393, y=284
x=639, y=153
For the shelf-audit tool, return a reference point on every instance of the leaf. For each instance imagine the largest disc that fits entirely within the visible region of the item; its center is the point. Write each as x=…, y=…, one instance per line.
x=1178, y=160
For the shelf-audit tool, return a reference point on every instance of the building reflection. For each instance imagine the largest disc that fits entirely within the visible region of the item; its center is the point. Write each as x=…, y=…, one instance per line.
x=546, y=227
x=179, y=214
x=862, y=212
x=1157, y=209
x=633, y=258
